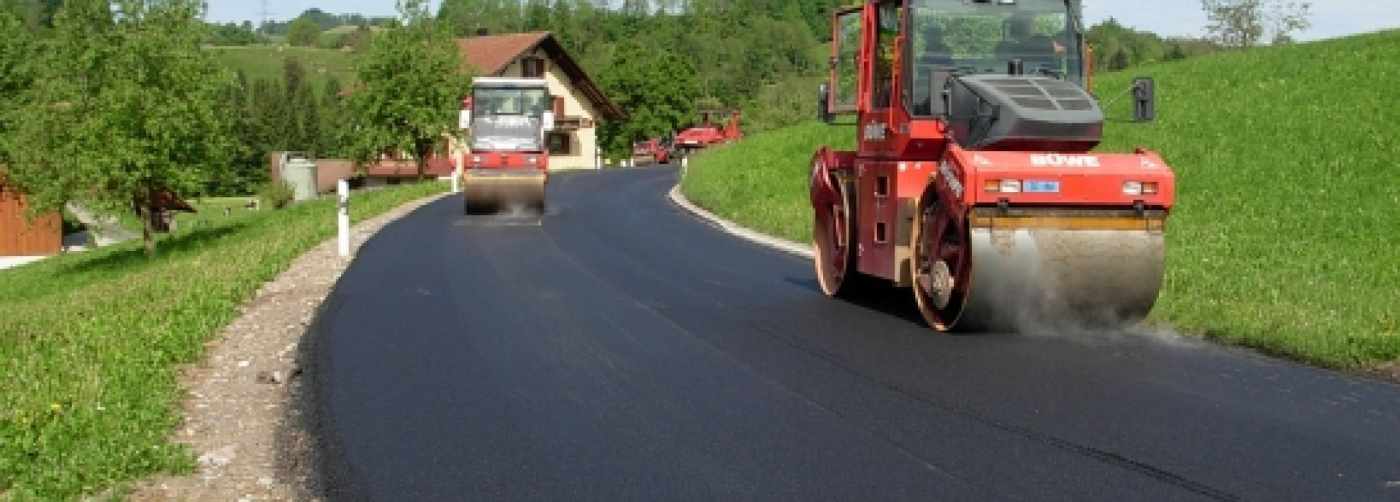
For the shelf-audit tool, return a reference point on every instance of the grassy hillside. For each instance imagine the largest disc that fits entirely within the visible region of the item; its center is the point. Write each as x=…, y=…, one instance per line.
x=1287, y=233
x=266, y=62
x=90, y=343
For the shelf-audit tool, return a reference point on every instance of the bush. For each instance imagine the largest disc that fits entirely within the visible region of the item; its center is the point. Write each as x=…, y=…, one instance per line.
x=790, y=101
x=276, y=194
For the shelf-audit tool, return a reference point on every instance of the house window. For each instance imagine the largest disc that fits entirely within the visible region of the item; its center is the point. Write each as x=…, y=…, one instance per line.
x=559, y=144
x=532, y=67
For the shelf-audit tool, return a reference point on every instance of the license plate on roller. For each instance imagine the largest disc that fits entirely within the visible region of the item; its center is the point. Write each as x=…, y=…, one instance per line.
x=1042, y=187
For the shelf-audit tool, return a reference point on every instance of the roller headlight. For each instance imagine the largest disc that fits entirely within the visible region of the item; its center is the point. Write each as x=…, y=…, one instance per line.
x=1133, y=188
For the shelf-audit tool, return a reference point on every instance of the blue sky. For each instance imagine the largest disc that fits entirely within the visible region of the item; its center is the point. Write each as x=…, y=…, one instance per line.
x=1332, y=18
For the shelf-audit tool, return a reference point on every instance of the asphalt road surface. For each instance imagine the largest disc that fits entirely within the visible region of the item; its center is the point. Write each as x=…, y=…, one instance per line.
x=624, y=350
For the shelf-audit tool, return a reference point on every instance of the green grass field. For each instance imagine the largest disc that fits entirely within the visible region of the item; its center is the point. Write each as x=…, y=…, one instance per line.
x=1286, y=237
x=90, y=343
x=266, y=62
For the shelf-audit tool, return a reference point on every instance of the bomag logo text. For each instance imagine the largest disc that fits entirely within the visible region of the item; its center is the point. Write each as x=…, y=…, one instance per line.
x=1056, y=160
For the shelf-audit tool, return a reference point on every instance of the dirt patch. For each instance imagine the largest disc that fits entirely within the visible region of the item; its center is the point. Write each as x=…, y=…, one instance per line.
x=1389, y=371
x=239, y=417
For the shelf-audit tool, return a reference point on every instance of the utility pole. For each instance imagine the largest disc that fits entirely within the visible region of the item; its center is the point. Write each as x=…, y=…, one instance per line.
x=265, y=14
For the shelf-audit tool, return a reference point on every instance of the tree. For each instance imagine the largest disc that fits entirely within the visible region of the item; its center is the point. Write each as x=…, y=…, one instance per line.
x=125, y=110
x=1290, y=18
x=332, y=111
x=17, y=71
x=303, y=32
x=656, y=88
x=412, y=81
x=1241, y=24
x=536, y=15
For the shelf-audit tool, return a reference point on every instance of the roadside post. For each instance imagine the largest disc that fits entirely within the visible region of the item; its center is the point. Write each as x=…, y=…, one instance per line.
x=457, y=172
x=342, y=189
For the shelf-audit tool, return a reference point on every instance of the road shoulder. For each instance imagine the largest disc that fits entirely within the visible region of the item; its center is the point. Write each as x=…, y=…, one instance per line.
x=740, y=231
x=240, y=412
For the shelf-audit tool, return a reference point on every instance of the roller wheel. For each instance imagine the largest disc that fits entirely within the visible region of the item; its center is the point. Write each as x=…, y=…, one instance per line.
x=942, y=263
x=834, y=233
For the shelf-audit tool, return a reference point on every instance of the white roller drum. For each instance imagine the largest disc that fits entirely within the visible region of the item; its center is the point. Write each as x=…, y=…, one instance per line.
x=1037, y=279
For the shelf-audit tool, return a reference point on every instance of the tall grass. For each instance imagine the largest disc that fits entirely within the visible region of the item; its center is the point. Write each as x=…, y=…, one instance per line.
x=1286, y=236
x=90, y=343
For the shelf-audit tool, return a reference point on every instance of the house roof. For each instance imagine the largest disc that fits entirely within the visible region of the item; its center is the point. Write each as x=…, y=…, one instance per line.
x=492, y=54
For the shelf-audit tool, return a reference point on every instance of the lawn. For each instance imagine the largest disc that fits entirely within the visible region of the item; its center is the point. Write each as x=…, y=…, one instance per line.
x=1286, y=237
x=266, y=62
x=90, y=343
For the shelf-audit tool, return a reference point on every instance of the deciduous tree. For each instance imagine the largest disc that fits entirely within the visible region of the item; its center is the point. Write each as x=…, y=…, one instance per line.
x=126, y=109
x=17, y=70
x=303, y=32
x=1242, y=24
x=656, y=88
x=412, y=81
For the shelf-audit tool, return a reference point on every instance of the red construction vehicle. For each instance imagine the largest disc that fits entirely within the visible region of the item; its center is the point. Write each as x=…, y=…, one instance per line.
x=974, y=181
x=507, y=166
x=652, y=151
x=709, y=133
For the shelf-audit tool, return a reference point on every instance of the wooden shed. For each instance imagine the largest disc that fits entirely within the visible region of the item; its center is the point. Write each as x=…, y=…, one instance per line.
x=20, y=236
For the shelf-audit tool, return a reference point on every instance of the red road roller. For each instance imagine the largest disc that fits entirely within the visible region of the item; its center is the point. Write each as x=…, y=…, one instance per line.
x=975, y=181
x=507, y=166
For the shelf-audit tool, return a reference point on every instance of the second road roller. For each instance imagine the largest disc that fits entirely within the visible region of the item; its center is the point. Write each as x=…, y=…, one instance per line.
x=507, y=166
x=975, y=181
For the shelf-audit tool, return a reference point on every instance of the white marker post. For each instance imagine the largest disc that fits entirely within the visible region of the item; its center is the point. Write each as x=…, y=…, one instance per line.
x=457, y=172
x=342, y=189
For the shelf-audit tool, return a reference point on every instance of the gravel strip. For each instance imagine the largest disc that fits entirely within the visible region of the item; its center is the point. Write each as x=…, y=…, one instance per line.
x=239, y=416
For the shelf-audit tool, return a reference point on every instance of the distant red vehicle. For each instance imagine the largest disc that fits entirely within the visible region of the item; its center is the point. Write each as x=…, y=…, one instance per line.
x=652, y=151
x=709, y=133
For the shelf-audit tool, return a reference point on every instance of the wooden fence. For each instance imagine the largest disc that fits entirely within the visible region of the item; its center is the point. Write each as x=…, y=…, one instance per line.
x=24, y=237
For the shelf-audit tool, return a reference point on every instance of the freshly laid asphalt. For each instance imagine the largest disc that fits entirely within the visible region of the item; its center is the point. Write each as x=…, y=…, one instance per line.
x=624, y=350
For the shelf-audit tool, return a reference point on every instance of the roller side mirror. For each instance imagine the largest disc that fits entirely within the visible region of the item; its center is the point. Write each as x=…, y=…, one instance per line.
x=1144, y=100
x=824, y=103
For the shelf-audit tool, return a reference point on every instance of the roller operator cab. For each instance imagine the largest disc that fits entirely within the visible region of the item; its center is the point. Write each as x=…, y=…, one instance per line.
x=507, y=166
x=975, y=181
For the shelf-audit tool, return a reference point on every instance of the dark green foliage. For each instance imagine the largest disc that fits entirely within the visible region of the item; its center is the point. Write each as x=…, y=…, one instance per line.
x=324, y=21
x=17, y=72
x=411, y=82
x=303, y=32
x=232, y=34
x=657, y=88
x=125, y=106
x=1117, y=47
x=286, y=114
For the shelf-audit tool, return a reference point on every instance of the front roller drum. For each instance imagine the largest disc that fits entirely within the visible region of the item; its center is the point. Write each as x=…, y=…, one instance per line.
x=501, y=191
x=1044, y=271
x=834, y=233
